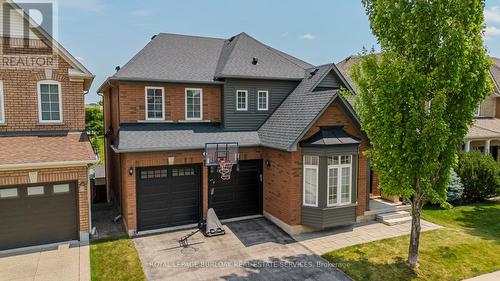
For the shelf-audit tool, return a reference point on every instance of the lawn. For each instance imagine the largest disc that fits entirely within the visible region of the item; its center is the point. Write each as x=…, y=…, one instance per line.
x=467, y=247
x=115, y=259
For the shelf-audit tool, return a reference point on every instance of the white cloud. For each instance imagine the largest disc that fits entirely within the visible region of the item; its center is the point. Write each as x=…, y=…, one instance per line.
x=142, y=13
x=492, y=31
x=307, y=36
x=492, y=15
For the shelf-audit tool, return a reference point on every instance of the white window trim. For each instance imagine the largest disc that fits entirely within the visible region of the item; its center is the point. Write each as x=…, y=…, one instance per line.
x=339, y=182
x=162, y=103
x=246, y=100
x=2, y=104
x=201, y=104
x=316, y=168
x=477, y=113
x=39, y=89
x=267, y=100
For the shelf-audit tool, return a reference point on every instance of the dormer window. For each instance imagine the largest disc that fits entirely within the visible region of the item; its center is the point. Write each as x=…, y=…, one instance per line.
x=49, y=102
x=155, y=108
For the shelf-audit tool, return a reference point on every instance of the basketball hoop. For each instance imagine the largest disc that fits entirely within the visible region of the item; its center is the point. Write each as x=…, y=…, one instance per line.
x=225, y=168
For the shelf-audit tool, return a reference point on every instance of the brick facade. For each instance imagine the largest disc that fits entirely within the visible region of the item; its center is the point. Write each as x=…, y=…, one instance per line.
x=20, y=93
x=132, y=101
x=77, y=174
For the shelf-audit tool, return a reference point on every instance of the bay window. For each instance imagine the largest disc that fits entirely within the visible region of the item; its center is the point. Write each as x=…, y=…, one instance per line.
x=339, y=180
x=311, y=180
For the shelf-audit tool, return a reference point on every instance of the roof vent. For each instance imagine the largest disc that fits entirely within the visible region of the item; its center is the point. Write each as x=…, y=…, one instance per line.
x=255, y=61
x=154, y=36
x=117, y=68
x=314, y=72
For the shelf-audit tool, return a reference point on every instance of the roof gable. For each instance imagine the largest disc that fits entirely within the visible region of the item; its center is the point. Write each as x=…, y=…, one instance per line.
x=331, y=79
x=79, y=71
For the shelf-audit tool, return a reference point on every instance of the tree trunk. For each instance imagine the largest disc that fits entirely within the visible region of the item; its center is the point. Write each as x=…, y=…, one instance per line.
x=415, y=231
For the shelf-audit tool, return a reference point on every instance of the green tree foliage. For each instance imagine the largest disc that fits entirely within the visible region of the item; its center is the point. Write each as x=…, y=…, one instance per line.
x=455, y=188
x=480, y=175
x=94, y=121
x=416, y=99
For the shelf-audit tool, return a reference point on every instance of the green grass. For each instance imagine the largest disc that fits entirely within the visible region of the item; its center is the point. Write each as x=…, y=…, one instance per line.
x=98, y=144
x=115, y=259
x=467, y=247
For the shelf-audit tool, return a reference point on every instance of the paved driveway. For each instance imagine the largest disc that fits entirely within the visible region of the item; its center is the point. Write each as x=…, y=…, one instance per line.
x=63, y=263
x=251, y=250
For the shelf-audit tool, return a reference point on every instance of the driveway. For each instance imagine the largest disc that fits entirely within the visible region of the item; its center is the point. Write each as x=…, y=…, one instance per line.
x=57, y=263
x=250, y=250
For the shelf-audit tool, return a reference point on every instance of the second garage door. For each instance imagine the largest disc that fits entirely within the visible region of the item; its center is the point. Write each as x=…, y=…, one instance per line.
x=241, y=195
x=40, y=214
x=168, y=196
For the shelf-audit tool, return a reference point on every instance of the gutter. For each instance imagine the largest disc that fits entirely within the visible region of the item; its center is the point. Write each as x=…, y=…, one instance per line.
x=166, y=149
x=60, y=164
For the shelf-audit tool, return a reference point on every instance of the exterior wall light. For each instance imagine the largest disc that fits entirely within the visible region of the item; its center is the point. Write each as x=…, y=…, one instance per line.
x=131, y=171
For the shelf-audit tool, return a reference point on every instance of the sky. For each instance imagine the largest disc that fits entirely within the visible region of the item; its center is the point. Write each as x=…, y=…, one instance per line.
x=104, y=34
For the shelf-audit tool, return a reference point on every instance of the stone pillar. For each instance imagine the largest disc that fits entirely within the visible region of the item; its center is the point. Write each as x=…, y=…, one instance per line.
x=487, y=147
x=467, y=146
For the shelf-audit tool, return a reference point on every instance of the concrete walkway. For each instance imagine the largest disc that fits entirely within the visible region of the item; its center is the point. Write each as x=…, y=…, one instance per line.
x=64, y=263
x=494, y=276
x=330, y=240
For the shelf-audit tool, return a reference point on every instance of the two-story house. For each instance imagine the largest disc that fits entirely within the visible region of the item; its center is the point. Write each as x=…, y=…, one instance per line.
x=484, y=135
x=44, y=150
x=300, y=146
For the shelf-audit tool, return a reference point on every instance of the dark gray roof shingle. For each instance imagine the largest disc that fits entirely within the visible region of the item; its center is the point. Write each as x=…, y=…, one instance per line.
x=288, y=123
x=135, y=137
x=182, y=58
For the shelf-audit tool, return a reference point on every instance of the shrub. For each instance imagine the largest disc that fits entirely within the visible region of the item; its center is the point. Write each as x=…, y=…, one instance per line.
x=455, y=188
x=480, y=175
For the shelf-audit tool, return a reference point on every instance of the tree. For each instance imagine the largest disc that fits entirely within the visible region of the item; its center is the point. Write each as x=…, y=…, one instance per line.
x=416, y=99
x=94, y=121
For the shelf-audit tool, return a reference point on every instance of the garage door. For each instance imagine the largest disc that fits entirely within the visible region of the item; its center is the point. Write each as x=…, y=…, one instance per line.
x=34, y=215
x=168, y=196
x=240, y=196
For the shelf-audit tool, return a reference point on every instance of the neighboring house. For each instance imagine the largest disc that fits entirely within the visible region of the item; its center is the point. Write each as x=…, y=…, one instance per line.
x=484, y=135
x=44, y=151
x=300, y=144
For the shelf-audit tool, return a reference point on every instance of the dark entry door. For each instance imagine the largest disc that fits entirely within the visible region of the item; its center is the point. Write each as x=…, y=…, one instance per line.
x=40, y=214
x=168, y=196
x=240, y=196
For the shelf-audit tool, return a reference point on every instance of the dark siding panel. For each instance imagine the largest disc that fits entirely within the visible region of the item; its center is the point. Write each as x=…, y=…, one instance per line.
x=252, y=118
x=312, y=216
x=330, y=81
x=339, y=216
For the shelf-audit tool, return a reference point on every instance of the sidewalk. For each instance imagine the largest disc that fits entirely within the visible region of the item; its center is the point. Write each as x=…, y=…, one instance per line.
x=494, y=276
x=330, y=240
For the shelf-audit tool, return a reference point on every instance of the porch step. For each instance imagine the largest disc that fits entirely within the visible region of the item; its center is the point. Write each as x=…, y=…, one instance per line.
x=393, y=218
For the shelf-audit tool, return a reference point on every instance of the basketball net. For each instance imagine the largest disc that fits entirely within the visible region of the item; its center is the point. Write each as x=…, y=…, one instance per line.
x=225, y=168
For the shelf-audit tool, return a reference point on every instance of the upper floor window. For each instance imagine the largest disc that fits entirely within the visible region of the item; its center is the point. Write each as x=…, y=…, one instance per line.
x=477, y=113
x=155, y=109
x=241, y=100
x=2, y=110
x=49, y=102
x=262, y=100
x=339, y=180
x=194, y=104
x=311, y=181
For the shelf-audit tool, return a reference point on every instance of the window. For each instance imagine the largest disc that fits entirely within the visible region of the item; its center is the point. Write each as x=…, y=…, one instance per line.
x=154, y=174
x=194, y=102
x=49, y=102
x=310, y=196
x=8, y=193
x=179, y=172
x=339, y=180
x=154, y=103
x=262, y=100
x=35, y=190
x=477, y=113
x=2, y=110
x=61, y=188
x=241, y=100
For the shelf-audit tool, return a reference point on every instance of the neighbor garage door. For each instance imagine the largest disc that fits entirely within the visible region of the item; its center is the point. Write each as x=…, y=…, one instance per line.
x=168, y=196
x=241, y=195
x=40, y=214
